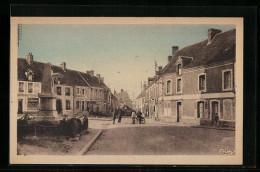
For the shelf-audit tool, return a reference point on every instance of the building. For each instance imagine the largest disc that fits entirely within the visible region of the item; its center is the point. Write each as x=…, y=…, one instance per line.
x=198, y=82
x=124, y=99
x=50, y=91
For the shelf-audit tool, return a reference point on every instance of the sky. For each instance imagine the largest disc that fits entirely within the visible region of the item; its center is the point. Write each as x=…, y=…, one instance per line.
x=124, y=55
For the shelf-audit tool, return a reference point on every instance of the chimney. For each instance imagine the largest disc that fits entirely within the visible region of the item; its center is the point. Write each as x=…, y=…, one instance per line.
x=159, y=71
x=91, y=72
x=169, y=58
x=102, y=79
x=98, y=76
x=63, y=66
x=174, y=49
x=29, y=58
x=150, y=80
x=122, y=90
x=212, y=33
x=114, y=92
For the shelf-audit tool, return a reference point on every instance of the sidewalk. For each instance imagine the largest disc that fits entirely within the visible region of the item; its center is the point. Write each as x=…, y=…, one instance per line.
x=213, y=127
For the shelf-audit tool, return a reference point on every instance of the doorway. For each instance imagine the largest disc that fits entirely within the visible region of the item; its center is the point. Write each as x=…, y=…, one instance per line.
x=200, y=107
x=179, y=111
x=20, y=106
x=215, y=111
x=59, y=106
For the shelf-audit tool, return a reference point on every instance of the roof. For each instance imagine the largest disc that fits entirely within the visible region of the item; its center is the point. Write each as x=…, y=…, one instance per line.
x=221, y=48
x=76, y=78
x=142, y=94
x=36, y=67
x=113, y=97
x=69, y=77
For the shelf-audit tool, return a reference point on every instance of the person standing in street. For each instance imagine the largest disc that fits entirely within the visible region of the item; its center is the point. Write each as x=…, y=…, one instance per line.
x=114, y=116
x=139, y=116
x=120, y=113
x=133, y=116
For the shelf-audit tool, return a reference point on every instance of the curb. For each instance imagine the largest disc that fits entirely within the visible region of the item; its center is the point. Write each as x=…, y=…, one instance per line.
x=100, y=119
x=89, y=144
x=229, y=129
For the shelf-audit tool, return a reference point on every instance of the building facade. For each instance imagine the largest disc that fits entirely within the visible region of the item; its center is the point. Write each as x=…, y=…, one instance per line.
x=198, y=83
x=50, y=92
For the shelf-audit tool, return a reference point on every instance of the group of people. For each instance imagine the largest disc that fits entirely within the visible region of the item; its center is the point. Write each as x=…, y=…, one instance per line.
x=115, y=113
x=137, y=116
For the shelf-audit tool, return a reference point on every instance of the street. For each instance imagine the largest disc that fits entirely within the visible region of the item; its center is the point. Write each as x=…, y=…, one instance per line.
x=150, y=139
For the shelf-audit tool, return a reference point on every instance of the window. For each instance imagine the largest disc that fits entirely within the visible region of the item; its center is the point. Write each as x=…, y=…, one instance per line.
x=21, y=87
x=82, y=105
x=179, y=85
x=78, y=91
x=58, y=89
x=67, y=104
x=202, y=82
x=227, y=80
x=96, y=93
x=67, y=91
x=59, y=81
x=32, y=103
x=30, y=76
x=77, y=104
x=83, y=91
x=168, y=89
x=30, y=87
x=179, y=69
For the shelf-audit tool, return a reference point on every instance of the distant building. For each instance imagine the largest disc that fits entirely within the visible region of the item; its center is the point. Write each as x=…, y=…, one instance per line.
x=197, y=84
x=50, y=91
x=123, y=98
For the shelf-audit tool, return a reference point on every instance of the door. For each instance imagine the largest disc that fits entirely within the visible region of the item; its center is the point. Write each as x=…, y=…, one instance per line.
x=179, y=111
x=59, y=106
x=20, y=106
x=200, y=108
x=214, y=109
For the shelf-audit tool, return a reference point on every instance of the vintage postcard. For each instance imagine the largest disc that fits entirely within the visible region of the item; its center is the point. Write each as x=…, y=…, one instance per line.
x=136, y=90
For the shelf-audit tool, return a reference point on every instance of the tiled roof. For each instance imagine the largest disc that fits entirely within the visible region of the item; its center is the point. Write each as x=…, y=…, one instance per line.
x=221, y=48
x=70, y=77
x=73, y=78
x=36, y=67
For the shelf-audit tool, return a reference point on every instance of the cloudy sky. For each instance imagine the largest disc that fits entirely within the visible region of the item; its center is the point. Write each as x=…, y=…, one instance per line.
x=123, y=54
